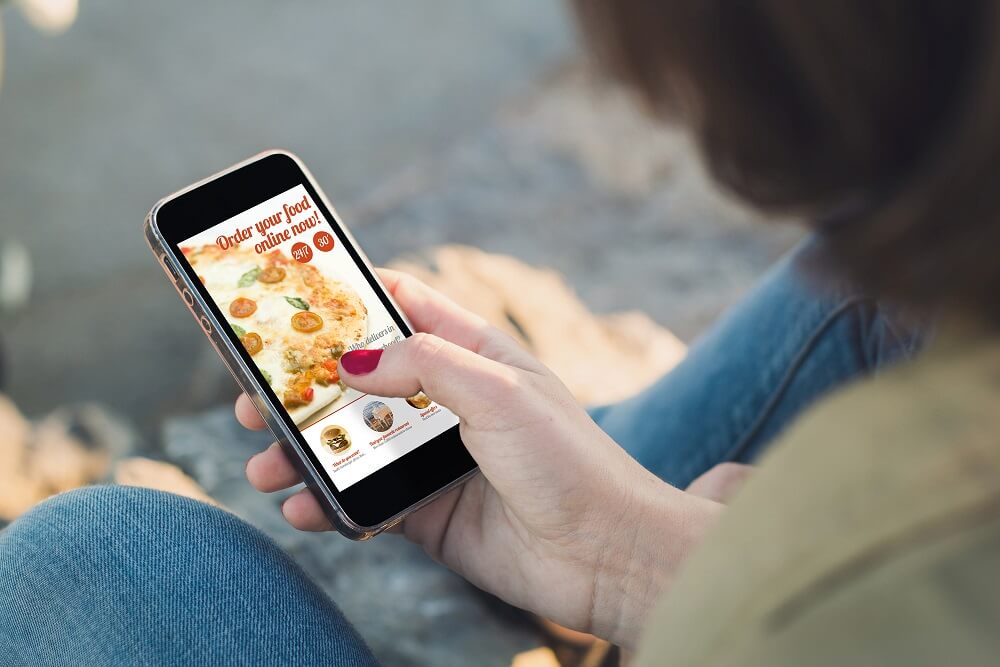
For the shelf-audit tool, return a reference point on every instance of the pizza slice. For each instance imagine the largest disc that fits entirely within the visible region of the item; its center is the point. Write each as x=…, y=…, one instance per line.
x=293, y=321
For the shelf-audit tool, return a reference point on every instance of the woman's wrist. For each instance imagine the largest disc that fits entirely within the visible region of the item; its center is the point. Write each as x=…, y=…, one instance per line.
x=659, y=529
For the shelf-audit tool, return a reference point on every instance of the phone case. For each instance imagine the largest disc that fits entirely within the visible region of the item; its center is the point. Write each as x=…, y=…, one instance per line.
x=212, y=328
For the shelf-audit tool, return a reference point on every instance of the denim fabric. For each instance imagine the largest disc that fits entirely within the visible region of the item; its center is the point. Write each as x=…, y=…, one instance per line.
x=125, y=576
x=769, y=358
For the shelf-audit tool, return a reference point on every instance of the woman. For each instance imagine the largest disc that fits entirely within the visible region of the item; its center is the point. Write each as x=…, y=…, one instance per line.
x=870, y=533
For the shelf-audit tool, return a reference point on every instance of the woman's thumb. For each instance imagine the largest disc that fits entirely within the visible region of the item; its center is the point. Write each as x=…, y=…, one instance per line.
x=458, y=379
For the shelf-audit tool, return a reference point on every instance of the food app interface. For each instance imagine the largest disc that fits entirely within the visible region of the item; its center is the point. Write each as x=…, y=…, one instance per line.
x=297, y=301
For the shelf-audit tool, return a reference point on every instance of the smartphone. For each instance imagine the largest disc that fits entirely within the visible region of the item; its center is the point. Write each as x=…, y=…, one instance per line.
x=282, y=290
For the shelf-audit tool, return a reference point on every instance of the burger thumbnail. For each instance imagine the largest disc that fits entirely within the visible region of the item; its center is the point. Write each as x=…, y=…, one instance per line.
x=336, y=439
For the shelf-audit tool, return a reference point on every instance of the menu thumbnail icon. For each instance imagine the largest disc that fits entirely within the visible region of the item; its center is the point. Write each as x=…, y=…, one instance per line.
x=336, y=439
x=377, y=416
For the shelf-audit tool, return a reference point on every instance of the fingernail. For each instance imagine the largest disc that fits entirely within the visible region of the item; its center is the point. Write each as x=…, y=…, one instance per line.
x=359, y=362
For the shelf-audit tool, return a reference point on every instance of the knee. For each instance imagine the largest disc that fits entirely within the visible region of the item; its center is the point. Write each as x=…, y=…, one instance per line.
x=96, y=515
x=157, y=574
x=109, y=548
x=98, y=532
x=99, y=503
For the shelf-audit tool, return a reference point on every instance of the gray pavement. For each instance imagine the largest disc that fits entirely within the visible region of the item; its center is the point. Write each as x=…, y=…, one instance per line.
x=139, y=99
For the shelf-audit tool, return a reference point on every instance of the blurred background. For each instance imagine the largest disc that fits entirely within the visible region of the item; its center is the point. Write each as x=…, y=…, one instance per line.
x=134, y=101
x=430, y=125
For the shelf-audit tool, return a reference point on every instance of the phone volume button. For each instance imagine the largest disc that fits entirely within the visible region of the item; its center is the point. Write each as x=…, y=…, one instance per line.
x=188, y=297
x=206, y=325
x=169, y=269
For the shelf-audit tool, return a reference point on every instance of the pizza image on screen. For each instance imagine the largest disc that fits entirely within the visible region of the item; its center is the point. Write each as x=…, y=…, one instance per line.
x=293, y=321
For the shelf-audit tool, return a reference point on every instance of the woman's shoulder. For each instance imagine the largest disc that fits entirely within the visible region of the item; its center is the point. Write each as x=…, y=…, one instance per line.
x=898, y=475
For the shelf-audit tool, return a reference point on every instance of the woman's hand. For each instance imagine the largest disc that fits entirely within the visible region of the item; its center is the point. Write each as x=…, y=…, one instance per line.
x=561, y=522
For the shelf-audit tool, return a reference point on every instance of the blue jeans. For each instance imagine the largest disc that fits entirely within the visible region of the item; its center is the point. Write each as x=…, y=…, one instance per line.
x=120, y=576
x=769, y=358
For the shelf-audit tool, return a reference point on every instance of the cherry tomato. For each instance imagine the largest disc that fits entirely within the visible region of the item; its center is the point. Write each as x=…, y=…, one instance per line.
x=253, y=343
x=300, y=393
x=272, y=274
x=331, y=365
x=242, y=307
x=306, y=322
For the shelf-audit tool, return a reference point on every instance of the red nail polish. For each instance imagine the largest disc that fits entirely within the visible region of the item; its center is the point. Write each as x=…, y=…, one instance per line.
x=359, y=362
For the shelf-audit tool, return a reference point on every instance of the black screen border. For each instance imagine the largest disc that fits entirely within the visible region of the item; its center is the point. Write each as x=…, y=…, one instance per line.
x=396, y=486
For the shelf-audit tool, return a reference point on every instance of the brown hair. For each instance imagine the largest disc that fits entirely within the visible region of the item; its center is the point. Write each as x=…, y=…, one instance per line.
x=877, y=120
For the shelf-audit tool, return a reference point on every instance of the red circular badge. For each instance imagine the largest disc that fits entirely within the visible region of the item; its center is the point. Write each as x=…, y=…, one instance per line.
x=323, y=241
x=302, y=252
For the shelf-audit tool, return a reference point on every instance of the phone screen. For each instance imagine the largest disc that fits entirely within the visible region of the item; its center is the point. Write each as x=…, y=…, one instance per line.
x=296, y=299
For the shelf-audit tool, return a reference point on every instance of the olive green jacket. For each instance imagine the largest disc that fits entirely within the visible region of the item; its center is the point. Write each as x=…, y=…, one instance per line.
x=870, y=535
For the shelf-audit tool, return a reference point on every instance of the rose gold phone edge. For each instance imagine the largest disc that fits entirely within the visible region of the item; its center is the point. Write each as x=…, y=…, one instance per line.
x=245, y=379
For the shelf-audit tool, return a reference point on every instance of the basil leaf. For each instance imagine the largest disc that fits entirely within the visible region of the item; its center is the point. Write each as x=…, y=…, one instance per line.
x=267, y=376
x=297, y=302
x=240, y=331
x=249, y=278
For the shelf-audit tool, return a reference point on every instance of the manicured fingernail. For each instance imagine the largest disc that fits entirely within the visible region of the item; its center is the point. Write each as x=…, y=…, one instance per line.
x=359, y=362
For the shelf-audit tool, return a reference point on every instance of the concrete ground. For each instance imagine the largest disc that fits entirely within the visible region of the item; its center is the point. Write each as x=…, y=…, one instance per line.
x=139, y=99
